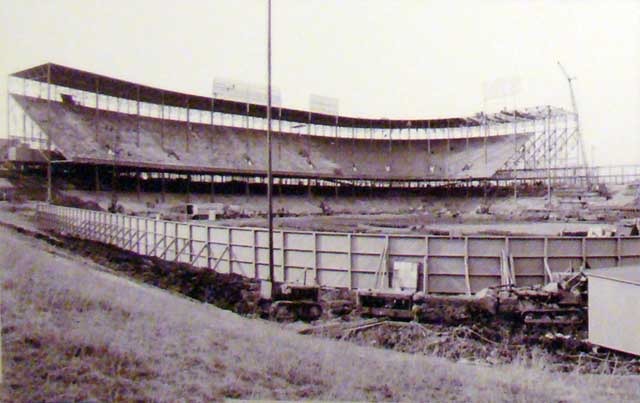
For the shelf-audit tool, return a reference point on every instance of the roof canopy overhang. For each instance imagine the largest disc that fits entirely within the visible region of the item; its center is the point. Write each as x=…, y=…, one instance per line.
x=95, y=83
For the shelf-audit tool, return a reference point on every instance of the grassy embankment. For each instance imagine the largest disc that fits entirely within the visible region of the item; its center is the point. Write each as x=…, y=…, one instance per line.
x=71, y=333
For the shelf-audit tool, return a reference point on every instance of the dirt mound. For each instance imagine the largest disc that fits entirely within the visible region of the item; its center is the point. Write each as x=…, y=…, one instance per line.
x=227, y=291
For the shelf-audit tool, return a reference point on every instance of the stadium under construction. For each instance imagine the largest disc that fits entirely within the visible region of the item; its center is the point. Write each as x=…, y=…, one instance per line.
x=109, y=133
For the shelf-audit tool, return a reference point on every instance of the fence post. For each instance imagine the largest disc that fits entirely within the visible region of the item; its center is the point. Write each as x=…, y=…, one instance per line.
x=315, y=257
x=282, y=255
x=350, y=268
x=208, y=247
x=190, y=243
x=425, y=268
x=229, y=267
x=256, y=274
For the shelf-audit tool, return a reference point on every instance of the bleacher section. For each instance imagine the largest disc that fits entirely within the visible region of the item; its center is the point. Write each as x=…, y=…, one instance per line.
x=83, y=135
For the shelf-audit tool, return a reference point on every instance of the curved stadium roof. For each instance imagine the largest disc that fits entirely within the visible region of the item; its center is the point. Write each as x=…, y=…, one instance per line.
x=90, y=82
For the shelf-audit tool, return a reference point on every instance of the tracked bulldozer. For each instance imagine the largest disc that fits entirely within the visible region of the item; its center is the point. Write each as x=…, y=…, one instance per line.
x=290, y=302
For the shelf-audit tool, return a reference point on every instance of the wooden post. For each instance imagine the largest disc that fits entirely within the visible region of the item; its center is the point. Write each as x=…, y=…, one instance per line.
x=466, y=265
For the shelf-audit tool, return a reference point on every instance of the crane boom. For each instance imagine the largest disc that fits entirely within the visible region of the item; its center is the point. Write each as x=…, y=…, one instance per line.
x=574, y=105
x=573, y=97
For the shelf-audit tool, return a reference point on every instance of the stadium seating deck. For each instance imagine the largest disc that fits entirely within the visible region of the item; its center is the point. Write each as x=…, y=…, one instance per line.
x=83, y=135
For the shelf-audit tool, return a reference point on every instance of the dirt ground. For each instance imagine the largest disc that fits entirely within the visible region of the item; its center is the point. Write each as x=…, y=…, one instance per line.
x=402, y=214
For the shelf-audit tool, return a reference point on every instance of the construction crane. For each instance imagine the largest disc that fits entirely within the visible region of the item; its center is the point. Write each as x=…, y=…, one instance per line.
x=579, y=133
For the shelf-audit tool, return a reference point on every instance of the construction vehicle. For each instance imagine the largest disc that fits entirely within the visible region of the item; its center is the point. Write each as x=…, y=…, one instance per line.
x=393, y=304
x=290, y=302
x=558, y=305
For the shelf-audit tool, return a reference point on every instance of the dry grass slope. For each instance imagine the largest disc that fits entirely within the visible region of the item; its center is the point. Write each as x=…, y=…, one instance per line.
x=73, y=333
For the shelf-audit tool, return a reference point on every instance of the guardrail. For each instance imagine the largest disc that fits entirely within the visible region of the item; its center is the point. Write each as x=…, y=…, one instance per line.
x=453, y=265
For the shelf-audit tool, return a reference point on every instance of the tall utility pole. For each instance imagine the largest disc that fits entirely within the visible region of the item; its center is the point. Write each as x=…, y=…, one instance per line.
x=49, y=154
x=574, y=105
x=269, y=173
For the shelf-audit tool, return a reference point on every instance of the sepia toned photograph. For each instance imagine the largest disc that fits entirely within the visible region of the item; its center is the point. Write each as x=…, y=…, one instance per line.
x=320, y=200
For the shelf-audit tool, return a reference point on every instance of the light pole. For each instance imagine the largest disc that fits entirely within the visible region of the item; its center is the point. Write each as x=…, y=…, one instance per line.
x=269, y=173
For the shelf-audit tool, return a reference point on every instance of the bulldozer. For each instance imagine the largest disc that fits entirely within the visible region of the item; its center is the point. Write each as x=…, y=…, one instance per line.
x=289, y=302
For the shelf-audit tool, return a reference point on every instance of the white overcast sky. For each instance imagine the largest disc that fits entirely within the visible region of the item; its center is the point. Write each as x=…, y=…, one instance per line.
x=392, y=58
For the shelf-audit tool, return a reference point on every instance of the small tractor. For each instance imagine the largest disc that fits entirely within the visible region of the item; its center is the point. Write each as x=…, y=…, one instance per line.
x=290, y=302
x=388, y=303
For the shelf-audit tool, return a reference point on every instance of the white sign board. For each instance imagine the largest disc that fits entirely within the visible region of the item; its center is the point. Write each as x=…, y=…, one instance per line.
x=405, y=276
x=239, y=91
x=324, y=105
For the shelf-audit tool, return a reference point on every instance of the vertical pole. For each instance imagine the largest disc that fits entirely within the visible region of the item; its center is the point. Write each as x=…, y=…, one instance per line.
x=515, y=151
x=162, y=187
x=138, y=187
x=8, y=110
x=428, y=133
x=96, y=128
x=486, y=134
x=162, y=123
x=308, y=137
x=269, y=173
x=212, y=109
x=188, y=126
x=213, y=188
x=49, y=167
x=212, y=133
x=534, y=145
x=447, y=155
x=389, y=151
x=138, y=116
x=566, y=141
x=114, y=176
x=188, y=188
x=97, y=174
x=279, y=153
x=548, y=130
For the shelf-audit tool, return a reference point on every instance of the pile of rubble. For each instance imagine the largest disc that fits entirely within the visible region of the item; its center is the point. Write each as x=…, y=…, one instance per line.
x=560, y=305
x=488, y=344
x=499, y=325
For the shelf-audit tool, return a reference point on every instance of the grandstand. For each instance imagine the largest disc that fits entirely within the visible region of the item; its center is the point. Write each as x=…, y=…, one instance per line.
x=84, y=120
